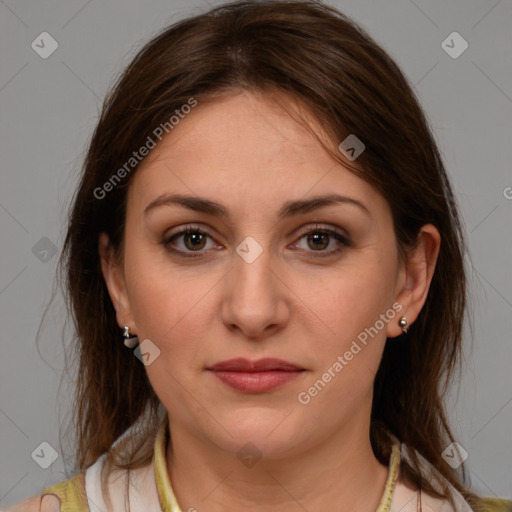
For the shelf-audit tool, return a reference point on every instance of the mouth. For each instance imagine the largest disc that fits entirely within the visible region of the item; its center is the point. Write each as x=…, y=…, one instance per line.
x=257, y=376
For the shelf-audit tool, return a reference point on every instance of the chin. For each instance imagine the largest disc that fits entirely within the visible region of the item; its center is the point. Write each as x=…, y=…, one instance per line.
x=261, y=430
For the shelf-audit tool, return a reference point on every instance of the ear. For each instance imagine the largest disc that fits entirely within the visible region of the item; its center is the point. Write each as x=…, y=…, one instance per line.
x=415, y=276
x=113, y=274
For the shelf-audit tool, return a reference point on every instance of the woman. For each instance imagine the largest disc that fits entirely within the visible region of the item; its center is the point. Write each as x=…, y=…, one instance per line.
x=265, y=219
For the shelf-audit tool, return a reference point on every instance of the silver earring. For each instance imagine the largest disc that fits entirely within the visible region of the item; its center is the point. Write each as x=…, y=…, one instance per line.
x=130, y=341
x=403, y=325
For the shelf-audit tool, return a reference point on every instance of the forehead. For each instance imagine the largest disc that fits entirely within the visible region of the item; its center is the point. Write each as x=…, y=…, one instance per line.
x=244, y=146
x=245, y=128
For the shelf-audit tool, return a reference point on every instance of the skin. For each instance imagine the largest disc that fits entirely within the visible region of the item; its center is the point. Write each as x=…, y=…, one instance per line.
x=250, y=155
x=48, y=503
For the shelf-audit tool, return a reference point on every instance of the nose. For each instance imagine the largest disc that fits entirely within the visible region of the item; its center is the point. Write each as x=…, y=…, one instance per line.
x=255, y=299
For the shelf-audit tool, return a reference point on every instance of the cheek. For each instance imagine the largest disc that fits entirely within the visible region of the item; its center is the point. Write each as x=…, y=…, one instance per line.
x=174, y=313
x=355, y=305
x=171, y=307
x=349, y=353
x=353, y=298
x=165, y=305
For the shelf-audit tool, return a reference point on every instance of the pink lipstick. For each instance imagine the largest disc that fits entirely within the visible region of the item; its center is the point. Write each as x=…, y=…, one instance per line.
x=255, y=376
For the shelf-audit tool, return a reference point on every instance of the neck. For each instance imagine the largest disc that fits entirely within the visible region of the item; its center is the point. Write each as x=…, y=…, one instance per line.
x=340, y=473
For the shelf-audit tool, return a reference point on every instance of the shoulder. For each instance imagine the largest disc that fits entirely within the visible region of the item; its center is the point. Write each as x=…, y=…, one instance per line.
x=138, y=484
x=495, y=505
x=40, y=503
x=406, y=499
x=69, y=492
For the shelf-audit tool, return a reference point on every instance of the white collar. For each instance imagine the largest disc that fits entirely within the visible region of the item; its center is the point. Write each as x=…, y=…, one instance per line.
x=143, y=495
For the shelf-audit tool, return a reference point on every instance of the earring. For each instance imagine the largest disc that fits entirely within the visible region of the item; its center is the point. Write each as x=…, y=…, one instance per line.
x=403, y=325
x=130, y=341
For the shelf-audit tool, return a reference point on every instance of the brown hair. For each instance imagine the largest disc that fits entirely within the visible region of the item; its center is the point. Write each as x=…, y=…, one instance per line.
x=318, y=56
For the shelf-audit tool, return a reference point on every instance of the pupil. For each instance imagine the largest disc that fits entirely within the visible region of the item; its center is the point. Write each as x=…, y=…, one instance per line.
x=316, y=239
x=195, y=237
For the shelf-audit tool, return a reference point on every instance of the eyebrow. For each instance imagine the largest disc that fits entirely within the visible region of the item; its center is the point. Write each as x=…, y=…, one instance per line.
x=288, y=209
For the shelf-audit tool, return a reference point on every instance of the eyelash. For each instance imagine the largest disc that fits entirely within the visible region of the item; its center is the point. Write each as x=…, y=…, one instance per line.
x=344, y=242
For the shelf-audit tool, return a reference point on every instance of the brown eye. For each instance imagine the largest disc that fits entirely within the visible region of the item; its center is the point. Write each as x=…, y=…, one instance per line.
x=188, y=241
x=317, y=240
x=194, y=240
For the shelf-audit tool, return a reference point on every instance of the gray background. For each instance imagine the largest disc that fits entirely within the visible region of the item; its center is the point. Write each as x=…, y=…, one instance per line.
x=50, y=106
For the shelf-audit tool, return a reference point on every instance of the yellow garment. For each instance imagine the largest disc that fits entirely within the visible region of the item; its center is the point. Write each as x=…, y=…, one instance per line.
x=71, y=494
x=73, y=497
x=495, y=505
x=166, y=496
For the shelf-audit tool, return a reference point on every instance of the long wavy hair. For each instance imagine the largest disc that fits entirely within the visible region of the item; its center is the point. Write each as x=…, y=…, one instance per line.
x=320, y=58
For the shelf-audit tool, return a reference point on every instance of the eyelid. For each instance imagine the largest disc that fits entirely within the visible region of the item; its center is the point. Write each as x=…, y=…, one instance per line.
x=343, y=239
x=302, y=231
x=183, y=230
x=322, y=227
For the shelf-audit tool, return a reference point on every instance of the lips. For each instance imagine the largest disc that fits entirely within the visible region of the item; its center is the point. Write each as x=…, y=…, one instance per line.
x=255, y=376
x=260, y=365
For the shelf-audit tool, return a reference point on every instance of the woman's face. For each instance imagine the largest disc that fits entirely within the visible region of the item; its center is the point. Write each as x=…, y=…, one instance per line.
x=251, y=283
